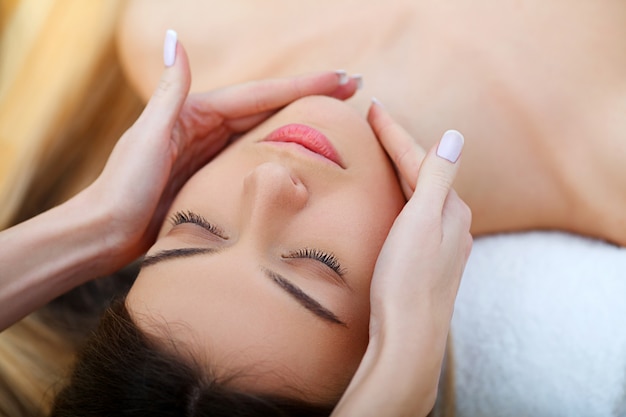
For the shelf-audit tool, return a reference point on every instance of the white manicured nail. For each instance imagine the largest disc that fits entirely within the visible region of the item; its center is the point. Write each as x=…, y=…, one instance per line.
x=451, y=145
x=343, y=77
x=169, y=48
x=359, y=81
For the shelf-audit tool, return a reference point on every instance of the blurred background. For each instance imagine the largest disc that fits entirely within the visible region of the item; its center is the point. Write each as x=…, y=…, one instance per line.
x=59, y=82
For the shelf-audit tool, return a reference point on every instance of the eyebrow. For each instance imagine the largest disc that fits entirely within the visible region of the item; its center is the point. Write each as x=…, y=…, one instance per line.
x=168, y=254
x=302, y=297
x=293, y=290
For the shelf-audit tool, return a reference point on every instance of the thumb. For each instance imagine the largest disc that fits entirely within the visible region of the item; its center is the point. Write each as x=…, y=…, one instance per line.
x=162, y=110
x=438, y=172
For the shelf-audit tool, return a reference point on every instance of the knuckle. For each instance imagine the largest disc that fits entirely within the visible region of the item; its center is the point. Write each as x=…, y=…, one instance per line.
x=261, y=99
x=163, y=87
x=299, y=88
x=440, y=180
x=383, y=131
x=401, y=156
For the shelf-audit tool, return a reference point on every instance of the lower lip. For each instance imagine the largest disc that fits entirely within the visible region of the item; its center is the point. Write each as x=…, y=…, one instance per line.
x=305, y=136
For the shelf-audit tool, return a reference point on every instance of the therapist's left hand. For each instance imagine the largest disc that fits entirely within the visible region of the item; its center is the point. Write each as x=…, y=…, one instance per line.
x=415, y=281
x=176, y=135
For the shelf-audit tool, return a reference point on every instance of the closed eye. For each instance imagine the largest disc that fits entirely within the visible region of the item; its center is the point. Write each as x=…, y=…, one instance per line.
x=182, y=217
x=326, y=258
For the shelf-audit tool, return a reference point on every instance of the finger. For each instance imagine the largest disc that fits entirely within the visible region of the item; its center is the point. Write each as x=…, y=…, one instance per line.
x=456, y=218
x=403, y=150
x=261, y=96
x=456, y=223
x=164, y=106
x=407, y=189
x=347, y=86
x=457, y=212
x=243, y=124
x=345, y=90
x=438, y=172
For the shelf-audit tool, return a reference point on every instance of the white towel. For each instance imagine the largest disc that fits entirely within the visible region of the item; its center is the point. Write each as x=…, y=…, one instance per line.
x=539, y=328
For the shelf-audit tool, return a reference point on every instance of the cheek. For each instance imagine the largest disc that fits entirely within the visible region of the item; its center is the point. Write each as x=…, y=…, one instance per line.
x=370, y=212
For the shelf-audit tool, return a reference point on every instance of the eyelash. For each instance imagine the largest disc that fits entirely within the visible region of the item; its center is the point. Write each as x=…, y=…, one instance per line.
x=328, y=259
x=181, y=217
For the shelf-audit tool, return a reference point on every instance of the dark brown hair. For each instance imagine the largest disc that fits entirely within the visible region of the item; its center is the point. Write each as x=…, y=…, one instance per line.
x=120, y=371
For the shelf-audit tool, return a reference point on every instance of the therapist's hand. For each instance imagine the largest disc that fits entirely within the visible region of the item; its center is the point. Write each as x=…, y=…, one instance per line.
x=176, y=135
x=415, y=281
x=427, y=248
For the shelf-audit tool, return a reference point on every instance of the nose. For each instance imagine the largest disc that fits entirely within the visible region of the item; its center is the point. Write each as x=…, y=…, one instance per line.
x=272, y=194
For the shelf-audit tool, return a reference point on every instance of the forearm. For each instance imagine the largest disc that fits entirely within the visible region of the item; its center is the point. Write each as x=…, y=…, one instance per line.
x=50, y=254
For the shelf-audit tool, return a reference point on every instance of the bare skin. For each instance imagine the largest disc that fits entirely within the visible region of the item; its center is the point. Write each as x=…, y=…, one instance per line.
x=538, y=89
x=322, y=200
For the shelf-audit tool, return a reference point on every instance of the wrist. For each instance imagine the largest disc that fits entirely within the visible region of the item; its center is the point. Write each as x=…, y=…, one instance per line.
x=89, y=219
x=406, y=361
x=50, y=254
x=109, y=242
x=409, y=322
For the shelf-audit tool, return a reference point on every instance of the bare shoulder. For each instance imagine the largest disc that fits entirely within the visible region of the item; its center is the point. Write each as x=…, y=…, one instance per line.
x=542, y=110
x=207, y=29
x=237, y=40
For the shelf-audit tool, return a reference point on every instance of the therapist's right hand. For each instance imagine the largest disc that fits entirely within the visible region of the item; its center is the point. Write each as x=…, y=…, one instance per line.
x=176, y=135
x=417, y=274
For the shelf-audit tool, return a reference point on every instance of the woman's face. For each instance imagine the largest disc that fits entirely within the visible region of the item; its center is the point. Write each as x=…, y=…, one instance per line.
x=264, y=268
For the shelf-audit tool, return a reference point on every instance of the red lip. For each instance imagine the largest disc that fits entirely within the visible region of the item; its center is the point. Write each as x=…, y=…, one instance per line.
x=307, y=137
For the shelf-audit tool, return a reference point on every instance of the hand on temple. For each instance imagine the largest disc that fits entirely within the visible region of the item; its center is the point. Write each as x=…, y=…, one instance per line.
x=415, y=281
x=176, y=135
x=429, y=243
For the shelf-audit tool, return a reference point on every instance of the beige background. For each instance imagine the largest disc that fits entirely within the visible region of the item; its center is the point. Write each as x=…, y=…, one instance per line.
x=58, y=78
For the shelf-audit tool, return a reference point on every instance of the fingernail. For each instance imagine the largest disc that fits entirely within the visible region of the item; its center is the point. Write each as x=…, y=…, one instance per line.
x=377, y=102
x=343, y=77
x=359, y=81
x=169, y=48
x=450, y=145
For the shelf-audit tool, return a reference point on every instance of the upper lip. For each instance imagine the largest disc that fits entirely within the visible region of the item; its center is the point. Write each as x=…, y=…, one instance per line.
x=307, y=137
